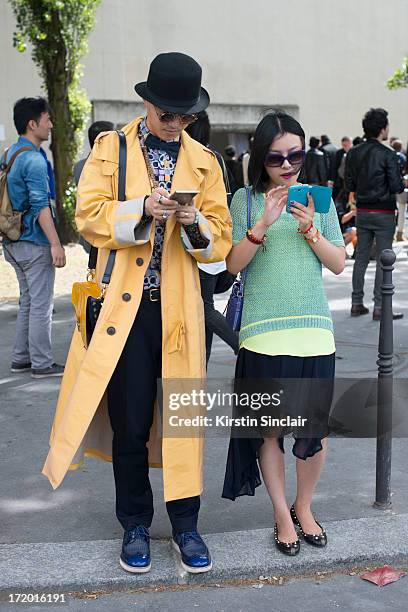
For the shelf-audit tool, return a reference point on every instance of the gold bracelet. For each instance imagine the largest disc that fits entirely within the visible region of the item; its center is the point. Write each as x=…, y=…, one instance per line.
x=314, y=238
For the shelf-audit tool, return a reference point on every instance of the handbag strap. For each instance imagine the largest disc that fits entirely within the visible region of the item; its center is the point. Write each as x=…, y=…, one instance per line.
x=93, y=253
x=249, y=210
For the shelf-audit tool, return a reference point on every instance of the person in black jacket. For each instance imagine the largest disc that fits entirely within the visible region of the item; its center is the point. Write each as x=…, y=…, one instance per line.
x=339, y=190
x=232, y=164
x=372, y=172
x=315, y=168
x=329, y=150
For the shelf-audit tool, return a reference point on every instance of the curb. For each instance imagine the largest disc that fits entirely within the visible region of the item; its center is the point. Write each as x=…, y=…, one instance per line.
x=93, y=565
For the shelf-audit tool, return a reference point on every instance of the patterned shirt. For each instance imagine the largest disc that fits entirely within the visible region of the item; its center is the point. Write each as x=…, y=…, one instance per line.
x=163, y=165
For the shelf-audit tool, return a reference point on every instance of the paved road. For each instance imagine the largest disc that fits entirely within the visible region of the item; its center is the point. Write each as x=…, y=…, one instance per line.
x=319, y=594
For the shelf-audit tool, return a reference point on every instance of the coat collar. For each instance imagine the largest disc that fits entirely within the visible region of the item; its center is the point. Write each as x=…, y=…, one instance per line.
x=193, y=160
x=192, y=154
x=198, y=156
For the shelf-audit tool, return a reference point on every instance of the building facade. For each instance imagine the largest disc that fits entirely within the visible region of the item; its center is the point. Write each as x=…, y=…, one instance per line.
x=324, y=61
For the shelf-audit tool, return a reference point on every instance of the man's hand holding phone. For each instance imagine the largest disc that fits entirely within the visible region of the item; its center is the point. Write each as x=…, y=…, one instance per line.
x=159, y=206
x=186, y=212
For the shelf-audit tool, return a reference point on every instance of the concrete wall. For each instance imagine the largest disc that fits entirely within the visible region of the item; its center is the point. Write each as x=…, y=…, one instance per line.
x=328, y=58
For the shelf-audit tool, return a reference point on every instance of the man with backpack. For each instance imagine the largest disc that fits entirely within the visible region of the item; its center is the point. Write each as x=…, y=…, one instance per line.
x=37, y=251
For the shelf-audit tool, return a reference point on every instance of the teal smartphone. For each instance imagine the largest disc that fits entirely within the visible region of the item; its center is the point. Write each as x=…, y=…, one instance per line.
x=321, y=197
x=297, y=193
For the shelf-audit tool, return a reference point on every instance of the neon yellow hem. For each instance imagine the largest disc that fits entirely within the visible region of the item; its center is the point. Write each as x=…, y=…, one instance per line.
x=286, y=319
x=300, y=342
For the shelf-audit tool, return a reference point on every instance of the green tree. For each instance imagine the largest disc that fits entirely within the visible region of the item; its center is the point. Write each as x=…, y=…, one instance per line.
x=400, y=77
x=58, y=31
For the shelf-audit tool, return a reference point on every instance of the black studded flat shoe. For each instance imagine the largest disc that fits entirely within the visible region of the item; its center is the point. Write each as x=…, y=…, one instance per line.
x=311, y=538
x=288, y=548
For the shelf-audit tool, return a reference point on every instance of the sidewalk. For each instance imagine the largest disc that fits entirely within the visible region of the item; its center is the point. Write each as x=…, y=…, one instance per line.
x=77, y=522
x=236, y=555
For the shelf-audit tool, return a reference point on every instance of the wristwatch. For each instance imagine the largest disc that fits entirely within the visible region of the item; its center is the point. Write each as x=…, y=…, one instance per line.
x=314, y=238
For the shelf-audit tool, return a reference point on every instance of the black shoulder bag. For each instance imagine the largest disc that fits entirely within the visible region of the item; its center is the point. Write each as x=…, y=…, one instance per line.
x=88, y=297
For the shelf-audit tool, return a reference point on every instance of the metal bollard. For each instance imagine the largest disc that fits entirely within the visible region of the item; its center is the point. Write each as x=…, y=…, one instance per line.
x=385, y=385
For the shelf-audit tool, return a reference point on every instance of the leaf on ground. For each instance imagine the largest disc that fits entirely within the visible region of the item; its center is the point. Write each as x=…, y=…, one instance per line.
x=383, y=575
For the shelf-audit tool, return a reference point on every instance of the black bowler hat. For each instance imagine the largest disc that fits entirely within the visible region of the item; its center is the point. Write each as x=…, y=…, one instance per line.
x=174, y=84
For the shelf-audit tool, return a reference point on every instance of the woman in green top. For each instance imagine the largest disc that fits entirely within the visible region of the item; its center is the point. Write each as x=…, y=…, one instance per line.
x=286, y=329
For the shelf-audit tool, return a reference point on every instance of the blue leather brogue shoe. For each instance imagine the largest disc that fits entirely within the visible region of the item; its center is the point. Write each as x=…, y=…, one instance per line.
x=195, y=556
x=135, y=555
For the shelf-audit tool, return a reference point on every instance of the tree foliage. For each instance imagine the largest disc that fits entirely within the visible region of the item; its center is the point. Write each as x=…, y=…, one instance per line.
x=400, y=77
x=57, y=31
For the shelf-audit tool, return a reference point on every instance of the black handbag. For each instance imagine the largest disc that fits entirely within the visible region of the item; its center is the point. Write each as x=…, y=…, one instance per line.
x=88, y=294
x=233, y=310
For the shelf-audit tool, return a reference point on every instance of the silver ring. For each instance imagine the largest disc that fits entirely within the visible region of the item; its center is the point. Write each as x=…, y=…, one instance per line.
x=164, y=215
x=186, y=214
x=160, y=199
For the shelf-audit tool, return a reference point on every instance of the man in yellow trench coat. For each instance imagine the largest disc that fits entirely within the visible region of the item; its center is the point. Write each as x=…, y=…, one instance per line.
x=151, y=325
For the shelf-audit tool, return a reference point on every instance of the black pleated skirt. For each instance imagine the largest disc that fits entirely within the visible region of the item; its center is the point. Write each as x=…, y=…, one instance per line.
x=242, y=474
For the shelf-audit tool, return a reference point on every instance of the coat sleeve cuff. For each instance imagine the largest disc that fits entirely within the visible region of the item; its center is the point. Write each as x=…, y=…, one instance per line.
x=127, y=227
x=205, y=231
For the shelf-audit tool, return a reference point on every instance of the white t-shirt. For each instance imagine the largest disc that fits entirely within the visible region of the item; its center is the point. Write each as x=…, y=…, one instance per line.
x=213, y=268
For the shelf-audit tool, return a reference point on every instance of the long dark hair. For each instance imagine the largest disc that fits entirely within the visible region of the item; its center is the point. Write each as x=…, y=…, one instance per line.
x=272, y=125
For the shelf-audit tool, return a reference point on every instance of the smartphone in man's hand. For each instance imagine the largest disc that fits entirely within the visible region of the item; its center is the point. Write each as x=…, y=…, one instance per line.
x=184, y=197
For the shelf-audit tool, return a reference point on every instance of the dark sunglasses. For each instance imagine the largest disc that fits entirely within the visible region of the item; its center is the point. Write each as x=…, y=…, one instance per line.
x=168, y=117
x=276, y=160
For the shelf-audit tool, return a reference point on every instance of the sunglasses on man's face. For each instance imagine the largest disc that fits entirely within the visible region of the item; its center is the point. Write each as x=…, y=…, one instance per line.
x=276, y=160
x=168, y=117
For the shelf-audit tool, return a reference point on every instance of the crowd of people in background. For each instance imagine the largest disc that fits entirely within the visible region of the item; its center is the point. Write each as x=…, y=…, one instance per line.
x=377, y=184
x=325, y=164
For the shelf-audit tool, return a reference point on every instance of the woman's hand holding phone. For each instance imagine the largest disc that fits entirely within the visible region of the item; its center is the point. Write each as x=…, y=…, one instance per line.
x=275, y=202
x=303, y=214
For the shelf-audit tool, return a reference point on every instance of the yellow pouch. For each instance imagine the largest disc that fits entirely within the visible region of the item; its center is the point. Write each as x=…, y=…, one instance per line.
x=80, y=294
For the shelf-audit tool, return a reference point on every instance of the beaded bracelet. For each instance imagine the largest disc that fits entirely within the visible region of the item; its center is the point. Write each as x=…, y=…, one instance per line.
x=255, y=240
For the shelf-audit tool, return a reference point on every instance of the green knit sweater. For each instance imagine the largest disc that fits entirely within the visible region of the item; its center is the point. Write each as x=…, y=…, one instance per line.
x=284, y=285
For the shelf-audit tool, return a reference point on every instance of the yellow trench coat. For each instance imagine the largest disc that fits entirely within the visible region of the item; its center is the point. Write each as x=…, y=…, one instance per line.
x=81, y=424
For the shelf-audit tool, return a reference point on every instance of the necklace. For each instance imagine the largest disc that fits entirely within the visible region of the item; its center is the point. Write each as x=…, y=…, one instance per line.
x=154, y=183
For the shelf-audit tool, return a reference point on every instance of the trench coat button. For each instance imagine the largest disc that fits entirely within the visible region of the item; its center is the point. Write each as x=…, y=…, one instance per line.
x=139, y=261
x=111, y=331
x=126, y=297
